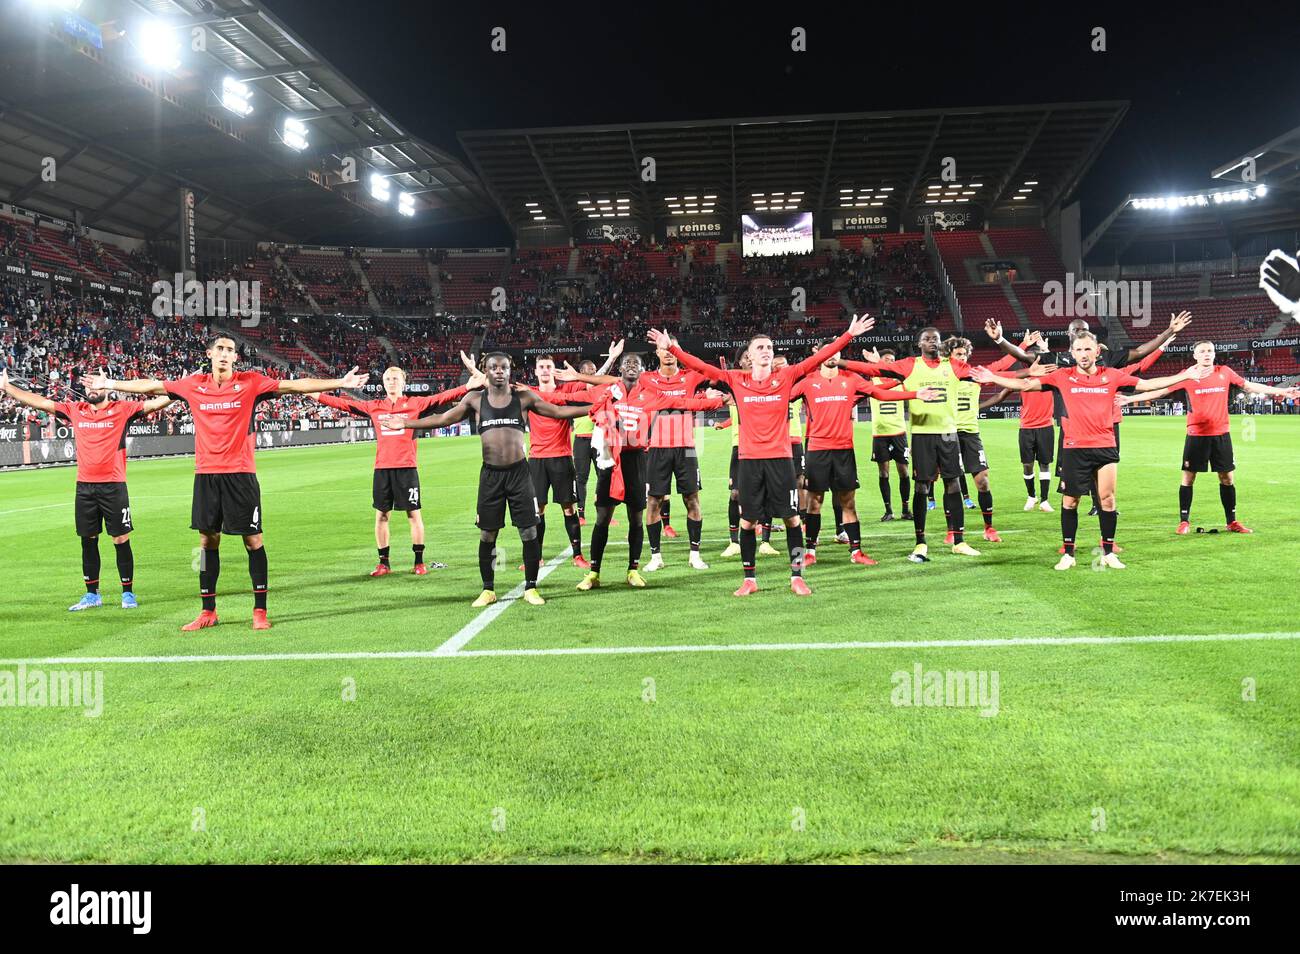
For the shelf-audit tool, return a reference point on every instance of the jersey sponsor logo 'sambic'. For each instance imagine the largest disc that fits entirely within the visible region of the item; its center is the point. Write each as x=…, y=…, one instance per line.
x=221, y=406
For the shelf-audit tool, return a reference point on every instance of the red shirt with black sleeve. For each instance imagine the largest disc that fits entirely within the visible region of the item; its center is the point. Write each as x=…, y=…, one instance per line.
x=99, y=431
x=1137, y=367
x=763, y=407
x=633, y=414
x=549, y=436
x=1207, y=415
x=1089, y=404
x=830, y=403
x=393, y=449
x=223, y=418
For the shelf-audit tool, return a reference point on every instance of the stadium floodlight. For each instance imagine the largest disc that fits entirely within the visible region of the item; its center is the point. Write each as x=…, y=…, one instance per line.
x=1261, y=190
x=379, y=187
x=294, y=134
x=157, y=44
x=236, y=96
x=406, y=204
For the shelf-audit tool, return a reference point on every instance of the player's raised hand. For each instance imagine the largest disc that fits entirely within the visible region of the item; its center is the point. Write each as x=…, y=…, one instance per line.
x=96, y=381
x=929, y=394
x=655, y=337
x=1038, y=369
x=1293, y=393
x=616, y=348
x=392, y=422
x=981, y=375
x=567, y=373
x=872, y=355
x=993, y=328
x=1122, y=399
x=354, y=379
x=861, y=324
x=468, y=362
x=1180, y=321
x=713, y=394
x=476, y=380
x=1027, y=340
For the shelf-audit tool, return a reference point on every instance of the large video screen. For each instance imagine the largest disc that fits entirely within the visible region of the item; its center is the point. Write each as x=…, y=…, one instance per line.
x=782, y=233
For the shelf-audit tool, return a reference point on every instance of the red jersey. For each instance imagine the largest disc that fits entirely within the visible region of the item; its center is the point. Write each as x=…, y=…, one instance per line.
x=763, y=407
x=549, y=436
x=99, y=431
x=393, y=449
x=1089, y=403
x=1208, y=397
x=635, y=412
x=223, y=418
x=1137, y=367
x=1036, y=408
x=673, y=428
x=830, y=402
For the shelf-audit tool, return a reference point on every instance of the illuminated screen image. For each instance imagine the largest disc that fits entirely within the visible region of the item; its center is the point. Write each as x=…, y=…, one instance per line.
x=782, y=234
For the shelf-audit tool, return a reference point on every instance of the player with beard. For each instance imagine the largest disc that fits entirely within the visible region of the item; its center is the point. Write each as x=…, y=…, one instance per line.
x=767, y=480
x=1090, y=454
x=625, y=413
x=98, y=426
x=1208, y=444
x=227, y=496
x=504, y=479
x=396, y=482
x=829, y=397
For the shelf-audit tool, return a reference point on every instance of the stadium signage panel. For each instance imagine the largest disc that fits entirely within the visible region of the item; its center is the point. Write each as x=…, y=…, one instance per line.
x=189, y=242
x=694, y=228
x=808, y=342
x=602, y=232
x=83, y=30
x=943, y=220
x=860, y=223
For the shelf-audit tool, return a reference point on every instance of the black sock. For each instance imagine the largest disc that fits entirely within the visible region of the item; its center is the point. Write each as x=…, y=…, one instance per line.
x=599, y=537
x=209, y=570
x=635, y=540
x=1029, y=483
x=1095, y=496
x=854, y=530
x=1045, y=485
x=1108, y=520
x=257, y=572
x=663, y=512
x=904, y=490
x=1069, y=528
x=918, y=512
x=952, y=505
x=814, y=529
x=574, y=530
x=965, y=490
x=794, y=545
x=1185, y=503
x=383, y=555
x=733, y=520
x=125, y=565
x=90, y=563
x=748, y=550
x=839, y=517
x=884, y=495
x=487, y=564
x=418, y=550
x=1228, y=496
x=656, y=529
x=767, y=532
x=694, y=532
x=532, y=560
x=986, y=506
x=541, y=530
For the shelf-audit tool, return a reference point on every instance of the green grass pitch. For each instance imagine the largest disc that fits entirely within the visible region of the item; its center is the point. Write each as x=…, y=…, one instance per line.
x=1127, y=750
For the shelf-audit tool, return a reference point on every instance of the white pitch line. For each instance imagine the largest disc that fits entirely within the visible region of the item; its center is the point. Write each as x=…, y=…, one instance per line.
x=654, y=650
x=480, y=622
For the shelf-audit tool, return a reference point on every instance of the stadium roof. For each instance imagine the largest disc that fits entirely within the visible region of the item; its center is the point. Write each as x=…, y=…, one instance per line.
x=127, y=135
x=891, y=157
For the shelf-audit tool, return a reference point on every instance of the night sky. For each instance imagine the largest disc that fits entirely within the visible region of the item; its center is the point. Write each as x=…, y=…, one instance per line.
x=1202, y=88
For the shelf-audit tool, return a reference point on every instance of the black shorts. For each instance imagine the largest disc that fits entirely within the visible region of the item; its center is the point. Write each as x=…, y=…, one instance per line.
x=936, y=454
x=554, y=478
x=498, y=486
x=396, y=488
x=832, y=470
x=1079, y=466
x=972, y=452
x=666, y=463
x=1036, y=445
x=797, y=456
x=889, y=447
x=732, y=471
x=1207, y=453
x=768, y=488
x=633, y=462
x=1116, y=429
x=227, y=503
x=103, y=504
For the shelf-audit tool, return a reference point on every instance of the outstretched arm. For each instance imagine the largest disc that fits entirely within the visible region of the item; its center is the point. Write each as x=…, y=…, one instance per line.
x=1123, y=399
x=532, y=401
x=348, y=382
x=40, y=402
x=710, y=371
x=456, y=413
x=985, y=376
x=860, y=325
x=100, y=382
x=615, y=350
x=994, y=330
x=995, y=399
x=157, y=404
x=1176, y=324
x=569, y=373
x=1194, y=373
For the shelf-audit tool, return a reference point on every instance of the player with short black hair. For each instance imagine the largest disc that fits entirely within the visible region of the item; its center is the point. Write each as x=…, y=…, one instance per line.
x=227, y=496
x=99, y=425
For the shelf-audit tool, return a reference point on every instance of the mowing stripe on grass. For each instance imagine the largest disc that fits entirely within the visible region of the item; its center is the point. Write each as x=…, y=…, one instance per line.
x=653, y=650
x=479, y=622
